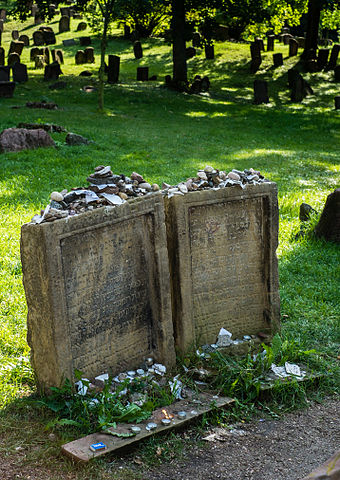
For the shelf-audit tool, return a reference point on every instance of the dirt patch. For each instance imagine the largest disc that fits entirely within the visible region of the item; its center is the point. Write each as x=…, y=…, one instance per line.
x=286, y=449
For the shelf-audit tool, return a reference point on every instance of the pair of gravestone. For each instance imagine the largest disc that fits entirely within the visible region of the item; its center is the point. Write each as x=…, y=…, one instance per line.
x=52, y=71
x=101, y=297
x=85, y=56
x=57, y=56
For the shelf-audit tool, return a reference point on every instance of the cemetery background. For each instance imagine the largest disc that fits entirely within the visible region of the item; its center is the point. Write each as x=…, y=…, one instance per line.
x=295, y=145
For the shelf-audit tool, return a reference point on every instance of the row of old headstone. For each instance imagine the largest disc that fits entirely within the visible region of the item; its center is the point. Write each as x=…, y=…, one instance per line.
x=19, y=73
x=41, y=56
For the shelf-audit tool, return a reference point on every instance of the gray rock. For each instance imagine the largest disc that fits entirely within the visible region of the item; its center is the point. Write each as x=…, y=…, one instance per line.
x=74, y=139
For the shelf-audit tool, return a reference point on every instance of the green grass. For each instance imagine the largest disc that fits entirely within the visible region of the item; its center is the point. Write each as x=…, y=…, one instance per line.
x=166, y=136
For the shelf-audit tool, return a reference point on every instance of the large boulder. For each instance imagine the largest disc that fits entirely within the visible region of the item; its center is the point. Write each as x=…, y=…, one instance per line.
x=329, y=223
x=16, y=139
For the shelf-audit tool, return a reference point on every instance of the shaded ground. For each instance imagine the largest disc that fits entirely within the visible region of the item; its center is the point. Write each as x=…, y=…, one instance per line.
x=286, y=449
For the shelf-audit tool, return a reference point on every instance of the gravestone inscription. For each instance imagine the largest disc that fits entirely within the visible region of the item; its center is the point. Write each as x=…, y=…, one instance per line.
x=223, y=264
x=98, y=291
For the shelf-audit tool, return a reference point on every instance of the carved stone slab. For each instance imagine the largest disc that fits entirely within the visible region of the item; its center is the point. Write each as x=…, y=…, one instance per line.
x=98, y=291
x=223, y=264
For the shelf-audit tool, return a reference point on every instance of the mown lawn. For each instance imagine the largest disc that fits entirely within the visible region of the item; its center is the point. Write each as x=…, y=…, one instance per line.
x=167, y=136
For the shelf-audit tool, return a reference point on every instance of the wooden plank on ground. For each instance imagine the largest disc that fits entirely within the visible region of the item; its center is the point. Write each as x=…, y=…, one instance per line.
x=194, y=407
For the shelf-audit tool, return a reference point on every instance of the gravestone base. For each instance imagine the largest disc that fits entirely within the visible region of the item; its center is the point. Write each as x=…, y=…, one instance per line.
x=98, y=291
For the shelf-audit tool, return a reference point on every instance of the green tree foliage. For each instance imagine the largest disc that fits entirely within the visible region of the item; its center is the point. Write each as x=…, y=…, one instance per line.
x=144, y=16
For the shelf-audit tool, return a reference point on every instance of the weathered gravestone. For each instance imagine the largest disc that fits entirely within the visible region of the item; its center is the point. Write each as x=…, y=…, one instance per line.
x=293, y=47
x=260, y=92
x=84, y=41
x=37, y=19
x=277, y=59
x=322, y=58
x=223, y=264
x=2, y=56
x=4, y=73
x=81, y=26
x=301, y=41
x=49, y=36
x=16, y=47
x=127, y=32
x=69, y=42
x=35, y=51
x=98, y=291
x=15, y=34
x=39, y=61
x=137, y=50
x=7, y=89
x=113, y=69
x=47, y=55
x=260, y=43
x=64, y=24
x=334, y=57
x=38, y=38
x=89, y=55
x=19, y=71
x=190, y=52
x=12, y=59
x=196, y=40
x=1, y=25
x=209, y=52
x=80, y=57
x=328, y=226
x=52, y=71
x=142, y=74
x=57, y=56
x=25, y=40
x=255, y=52
x=270, y=43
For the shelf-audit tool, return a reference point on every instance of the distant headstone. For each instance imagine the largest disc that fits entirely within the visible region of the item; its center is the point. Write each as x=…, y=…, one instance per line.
x=334, y=57
x=293, y=47
x=34, y=52
x=127, y=32
x=52, y=71
x=84, y=41
x=49, y=37
x=190, y=52
x=64, y=24
x=39, y=61
x=38, y=38
x=106, y=306
x=37, y=19
x=270, y=43
x=34, y=9
x=12, y=59
x=69, y=42
x=286, y=38
x=80, y=57
x=57, y=56
x=15, y=34
x=255, y=51
x=260, y=92
x=196, y=40
x=322, y=58
x=142, y=74
x=328, y=226
x=7, y=89
x=292, y=76
x=209, y=235
x=4, y=73
x=301, y=41
x=337, y=73
x=298, y=89
x=260, y=42
x=47, y=55
x=19, y=71
x=113, y=69
x=65, y=11
x=221, y=33
x=277, y=59
x=81, y=26
x=209, y=52
x=2, y=56
x=16, y=47
x=89, y=55
x=137, y=49
x=25, y=40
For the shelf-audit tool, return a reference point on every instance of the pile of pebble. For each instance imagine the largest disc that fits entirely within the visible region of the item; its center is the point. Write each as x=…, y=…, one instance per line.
x=107, y=188
x=210, y=178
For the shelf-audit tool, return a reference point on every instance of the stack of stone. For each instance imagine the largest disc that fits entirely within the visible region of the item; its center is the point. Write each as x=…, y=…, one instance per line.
x=105, y=189
x=211, y=178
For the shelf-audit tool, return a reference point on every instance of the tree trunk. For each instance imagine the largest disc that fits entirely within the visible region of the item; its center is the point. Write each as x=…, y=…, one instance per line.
x=178, y=36
x=103, y=45
x=313, y=20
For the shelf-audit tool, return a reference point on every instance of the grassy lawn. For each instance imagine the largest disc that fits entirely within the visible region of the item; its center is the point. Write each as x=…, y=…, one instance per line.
x=167, y=136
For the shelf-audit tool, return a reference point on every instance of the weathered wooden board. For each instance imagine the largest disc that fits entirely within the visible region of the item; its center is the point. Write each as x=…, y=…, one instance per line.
x=194, y=407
